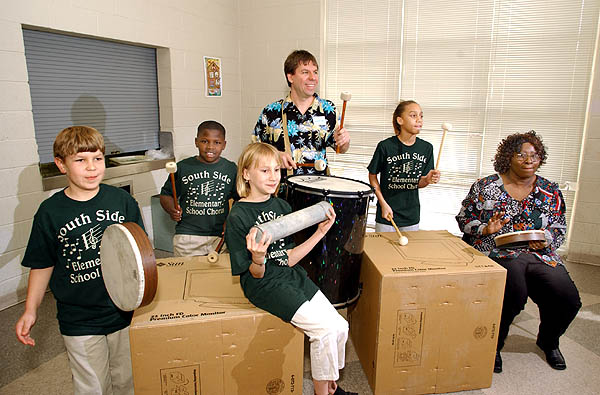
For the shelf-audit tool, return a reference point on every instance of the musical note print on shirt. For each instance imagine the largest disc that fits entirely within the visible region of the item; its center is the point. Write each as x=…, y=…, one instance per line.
x=72, y=250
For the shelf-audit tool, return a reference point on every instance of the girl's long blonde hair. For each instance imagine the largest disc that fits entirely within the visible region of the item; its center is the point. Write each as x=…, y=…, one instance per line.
x=249, y=159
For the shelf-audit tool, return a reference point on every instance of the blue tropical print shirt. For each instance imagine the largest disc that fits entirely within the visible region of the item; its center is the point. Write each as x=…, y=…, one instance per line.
x=543, y=209
x=309, y=133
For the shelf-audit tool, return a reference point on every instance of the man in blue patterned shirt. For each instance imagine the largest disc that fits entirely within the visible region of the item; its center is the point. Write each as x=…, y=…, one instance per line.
x=310, y=120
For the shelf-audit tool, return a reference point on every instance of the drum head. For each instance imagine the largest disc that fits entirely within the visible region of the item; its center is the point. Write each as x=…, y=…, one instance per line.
x=329, y=185
x=519, y=239
x=128, y=266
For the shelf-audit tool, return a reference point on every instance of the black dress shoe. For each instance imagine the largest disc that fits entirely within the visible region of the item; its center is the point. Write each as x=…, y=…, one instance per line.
x=340, y=391
x=498, y=363
x=554, y=358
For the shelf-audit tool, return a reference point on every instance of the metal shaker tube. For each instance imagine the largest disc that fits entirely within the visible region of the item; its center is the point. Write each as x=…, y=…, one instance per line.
x=293, y=222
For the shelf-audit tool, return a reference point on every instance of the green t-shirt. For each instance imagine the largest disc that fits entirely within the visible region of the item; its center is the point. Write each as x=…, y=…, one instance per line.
x=401, y=167
x=203, y=191
x=283, y=289
x=66, y=234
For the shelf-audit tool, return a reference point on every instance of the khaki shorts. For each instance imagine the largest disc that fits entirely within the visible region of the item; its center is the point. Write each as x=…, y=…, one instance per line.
x=190, y=245
x=101, y=364
x=379, y=227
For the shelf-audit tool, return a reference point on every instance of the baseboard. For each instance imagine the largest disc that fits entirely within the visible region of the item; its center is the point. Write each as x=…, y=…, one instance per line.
x=586, y=259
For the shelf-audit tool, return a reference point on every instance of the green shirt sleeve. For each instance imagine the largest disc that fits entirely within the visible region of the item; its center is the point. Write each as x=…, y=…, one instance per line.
x=235, y=237
x=41, y=248
x=133, y=212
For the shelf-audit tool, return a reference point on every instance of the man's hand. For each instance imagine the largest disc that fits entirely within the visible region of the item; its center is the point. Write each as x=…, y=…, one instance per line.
x=342, y=139
x=287, y=161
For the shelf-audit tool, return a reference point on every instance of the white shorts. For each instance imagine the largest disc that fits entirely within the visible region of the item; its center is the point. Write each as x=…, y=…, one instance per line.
x=327, y=333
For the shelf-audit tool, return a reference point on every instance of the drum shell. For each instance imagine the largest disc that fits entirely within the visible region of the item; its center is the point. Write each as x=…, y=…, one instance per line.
x=519, y=239
x=334, y=263
x=128, y=266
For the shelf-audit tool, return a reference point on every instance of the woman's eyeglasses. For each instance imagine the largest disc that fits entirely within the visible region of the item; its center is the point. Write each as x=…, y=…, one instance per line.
x=523, y=156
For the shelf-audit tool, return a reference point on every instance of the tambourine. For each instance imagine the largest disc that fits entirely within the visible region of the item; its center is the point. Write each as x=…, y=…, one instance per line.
x=519, y=239
x=128, y=266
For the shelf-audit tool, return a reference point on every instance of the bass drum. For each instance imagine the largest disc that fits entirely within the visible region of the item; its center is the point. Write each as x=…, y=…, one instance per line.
x=334, y=263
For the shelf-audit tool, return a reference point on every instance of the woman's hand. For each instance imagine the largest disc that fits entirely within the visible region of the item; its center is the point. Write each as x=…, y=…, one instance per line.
x=300, y=251
x=258, y=249
x=495, y=223
x=386, y=211
x=433, y=177
x=538, y=244
x=328, y=223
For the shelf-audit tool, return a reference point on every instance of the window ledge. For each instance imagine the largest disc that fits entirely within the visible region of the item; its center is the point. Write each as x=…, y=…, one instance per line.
x=55, y=182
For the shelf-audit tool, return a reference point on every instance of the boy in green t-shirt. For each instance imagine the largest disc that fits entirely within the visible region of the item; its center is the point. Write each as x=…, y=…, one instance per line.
x=204, y=185
x=64, y=252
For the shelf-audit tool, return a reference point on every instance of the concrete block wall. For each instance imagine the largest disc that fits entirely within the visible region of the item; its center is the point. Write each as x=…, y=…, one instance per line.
x=183, y=31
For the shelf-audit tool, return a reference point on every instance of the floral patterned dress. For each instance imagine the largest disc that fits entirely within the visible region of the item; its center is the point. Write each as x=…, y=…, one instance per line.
x=543, y=209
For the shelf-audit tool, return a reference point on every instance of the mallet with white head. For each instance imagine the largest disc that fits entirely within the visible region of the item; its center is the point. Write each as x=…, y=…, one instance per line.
x=345, y=96
x=445, y=127
x=319, y=165
x=213, y=256
x=402, y=240
x=171, y=168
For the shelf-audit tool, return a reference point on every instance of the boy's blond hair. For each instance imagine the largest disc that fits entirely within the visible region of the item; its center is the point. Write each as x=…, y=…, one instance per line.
x=249, y=159
x=75, y=139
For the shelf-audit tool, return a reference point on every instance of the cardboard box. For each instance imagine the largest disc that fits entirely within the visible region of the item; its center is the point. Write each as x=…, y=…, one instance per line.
x=200, y=335
x=428, y=316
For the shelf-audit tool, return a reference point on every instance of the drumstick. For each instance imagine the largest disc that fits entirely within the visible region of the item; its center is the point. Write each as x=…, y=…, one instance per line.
x=319, y=165
x=445, y=127
x=345, y=96
x=171, y=169
x=403, y=240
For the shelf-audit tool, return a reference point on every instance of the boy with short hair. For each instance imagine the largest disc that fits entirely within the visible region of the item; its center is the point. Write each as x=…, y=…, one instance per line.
x=204, y=185
x=64, y=252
